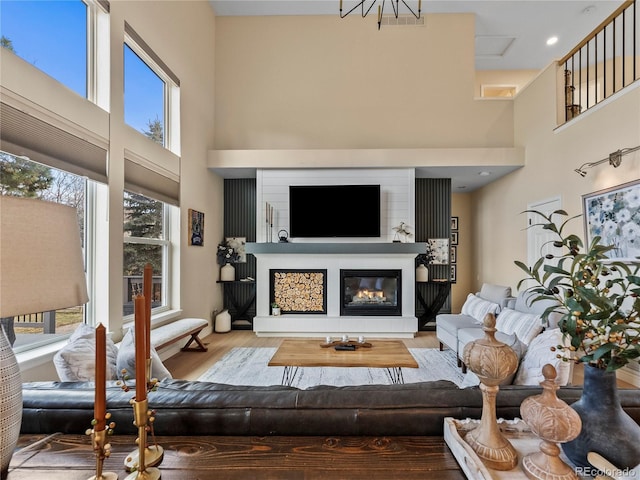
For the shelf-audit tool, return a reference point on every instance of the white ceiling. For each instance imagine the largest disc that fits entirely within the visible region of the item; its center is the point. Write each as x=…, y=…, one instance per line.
x=510, y=35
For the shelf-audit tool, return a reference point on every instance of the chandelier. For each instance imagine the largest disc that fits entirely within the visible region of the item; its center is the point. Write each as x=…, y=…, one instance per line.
x=395, y=5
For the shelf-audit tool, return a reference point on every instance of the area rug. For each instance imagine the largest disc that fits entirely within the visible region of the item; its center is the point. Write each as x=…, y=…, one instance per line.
x=248, y=366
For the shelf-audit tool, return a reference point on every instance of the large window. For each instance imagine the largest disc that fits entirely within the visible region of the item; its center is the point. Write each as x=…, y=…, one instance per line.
x=24, y=178
x=51, y=35
x=145, y=242
x=144, y=97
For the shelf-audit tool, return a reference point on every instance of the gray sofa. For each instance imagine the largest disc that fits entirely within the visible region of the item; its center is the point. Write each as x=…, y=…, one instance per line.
x=202, y=408
x=449, y=324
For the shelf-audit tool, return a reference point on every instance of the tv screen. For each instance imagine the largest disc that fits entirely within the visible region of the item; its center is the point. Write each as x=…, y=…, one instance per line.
x=334, y=211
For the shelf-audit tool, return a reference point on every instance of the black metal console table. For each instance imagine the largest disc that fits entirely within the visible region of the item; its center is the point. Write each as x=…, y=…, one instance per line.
x=239, y=299
x=425, y=321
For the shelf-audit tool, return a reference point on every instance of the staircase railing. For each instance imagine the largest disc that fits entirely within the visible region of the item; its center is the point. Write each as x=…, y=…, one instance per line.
x=604, y=63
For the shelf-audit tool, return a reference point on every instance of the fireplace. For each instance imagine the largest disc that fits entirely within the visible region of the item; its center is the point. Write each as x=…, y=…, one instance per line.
x=370, y=292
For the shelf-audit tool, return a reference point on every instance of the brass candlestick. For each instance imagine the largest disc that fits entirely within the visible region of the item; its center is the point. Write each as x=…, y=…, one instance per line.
x=141, y=470
x=102, y=450
x=154, y=454
x=492, y=361
x=554, y=422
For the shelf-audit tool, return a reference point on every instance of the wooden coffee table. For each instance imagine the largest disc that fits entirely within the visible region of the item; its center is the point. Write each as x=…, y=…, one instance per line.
x=391, y=355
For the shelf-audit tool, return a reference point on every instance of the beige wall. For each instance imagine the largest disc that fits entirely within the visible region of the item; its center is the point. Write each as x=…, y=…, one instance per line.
x=325, y=82
x=461, y=207
x=509, y=78
x=181, y=34
x=551, y=156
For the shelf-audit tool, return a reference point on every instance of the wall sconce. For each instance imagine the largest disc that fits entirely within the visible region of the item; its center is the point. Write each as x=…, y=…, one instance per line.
x=614, y=159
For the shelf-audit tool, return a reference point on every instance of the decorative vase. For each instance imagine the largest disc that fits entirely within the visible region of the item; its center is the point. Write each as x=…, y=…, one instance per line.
x=275, y=311
x=10, y=403
x=422, y=274
x=227, y=273
x=606, y=428
x=223, y=322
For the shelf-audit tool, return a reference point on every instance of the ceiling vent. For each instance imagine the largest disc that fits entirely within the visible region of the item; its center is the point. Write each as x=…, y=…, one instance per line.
x=402, y=21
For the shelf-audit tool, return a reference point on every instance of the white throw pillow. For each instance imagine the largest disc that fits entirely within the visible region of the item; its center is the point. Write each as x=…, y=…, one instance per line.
x=526, y=325
x=478, y=308
x=76, y=360
x=127, y=359
x=538, y=355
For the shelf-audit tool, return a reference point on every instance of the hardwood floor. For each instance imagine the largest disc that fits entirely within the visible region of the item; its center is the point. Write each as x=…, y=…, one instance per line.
x=191, y=365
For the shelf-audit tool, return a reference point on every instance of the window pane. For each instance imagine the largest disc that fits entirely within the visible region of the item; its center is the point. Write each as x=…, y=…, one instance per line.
x=23, y=178
x=143, y=97
x=142, y=216
x=144, y=244
x=136, y=256
x=50, y=35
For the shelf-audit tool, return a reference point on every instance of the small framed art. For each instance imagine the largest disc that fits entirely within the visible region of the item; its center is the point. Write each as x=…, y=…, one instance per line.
x=454, y=223
x=454, y=238
x=454, y=273
x=453, y=255
x=196, y=228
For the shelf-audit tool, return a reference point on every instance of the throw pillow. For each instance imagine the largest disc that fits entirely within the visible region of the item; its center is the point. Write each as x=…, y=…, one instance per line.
x=526, y=325
x=127, y=359
x=478, y=308
x=77, y=359
x=538, y=354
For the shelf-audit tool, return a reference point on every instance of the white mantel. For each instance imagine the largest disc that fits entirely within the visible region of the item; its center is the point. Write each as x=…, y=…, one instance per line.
x=333, y=257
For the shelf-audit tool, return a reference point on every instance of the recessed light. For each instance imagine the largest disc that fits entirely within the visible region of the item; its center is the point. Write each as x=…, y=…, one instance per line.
x=484, y=173
x=552, y=40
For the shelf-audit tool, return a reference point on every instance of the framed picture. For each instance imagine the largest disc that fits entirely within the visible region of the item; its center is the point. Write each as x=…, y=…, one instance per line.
x=454, y=238
x=612, y=215
x=454, y=223
x=196, y=228
x=454, y=254
x=439, y=248
x=240, y=246
x=454, y=273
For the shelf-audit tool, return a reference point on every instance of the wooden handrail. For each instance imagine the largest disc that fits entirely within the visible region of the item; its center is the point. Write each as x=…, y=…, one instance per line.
x=597, y=30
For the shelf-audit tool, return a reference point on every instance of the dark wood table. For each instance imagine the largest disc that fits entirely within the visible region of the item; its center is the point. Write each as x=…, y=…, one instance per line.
x=70, y=457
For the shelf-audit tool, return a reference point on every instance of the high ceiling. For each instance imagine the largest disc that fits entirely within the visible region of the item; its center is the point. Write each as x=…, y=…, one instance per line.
x=510, y=35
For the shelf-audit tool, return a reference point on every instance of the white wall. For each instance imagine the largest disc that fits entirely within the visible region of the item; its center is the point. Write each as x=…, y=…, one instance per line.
x=397, y=197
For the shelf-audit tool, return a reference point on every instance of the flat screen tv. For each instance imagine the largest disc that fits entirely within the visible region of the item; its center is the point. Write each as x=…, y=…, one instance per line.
x=334, y=211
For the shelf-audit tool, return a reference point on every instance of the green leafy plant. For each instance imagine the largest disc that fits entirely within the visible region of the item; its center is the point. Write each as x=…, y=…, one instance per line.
x=598, y=298
x=275, y=305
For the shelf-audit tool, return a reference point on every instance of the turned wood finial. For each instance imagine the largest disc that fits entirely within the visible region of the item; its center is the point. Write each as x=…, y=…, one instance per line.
x=492, y=361
x=554, y=422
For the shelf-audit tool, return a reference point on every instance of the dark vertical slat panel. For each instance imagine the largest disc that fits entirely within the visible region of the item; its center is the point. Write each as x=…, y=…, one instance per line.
x=433, y=220
x=240, y=221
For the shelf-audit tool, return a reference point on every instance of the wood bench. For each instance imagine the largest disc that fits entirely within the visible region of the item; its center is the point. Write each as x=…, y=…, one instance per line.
x=170, y=333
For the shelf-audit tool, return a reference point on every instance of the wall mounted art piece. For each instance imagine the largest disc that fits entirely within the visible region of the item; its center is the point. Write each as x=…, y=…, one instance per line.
x=196, y=228
x=454, y=238
x=439, y=248
x=239, y=244
x=454, y=274
x=614, y=215
x=453, y=256
x=454, y=223
x=299, y=291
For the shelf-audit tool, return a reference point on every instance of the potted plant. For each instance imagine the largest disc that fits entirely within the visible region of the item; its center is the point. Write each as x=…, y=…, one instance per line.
x=599, y=305
x=275, y=309
x=422, y=260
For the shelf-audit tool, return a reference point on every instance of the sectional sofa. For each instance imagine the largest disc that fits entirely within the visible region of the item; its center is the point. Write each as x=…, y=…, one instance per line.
x=202, y=408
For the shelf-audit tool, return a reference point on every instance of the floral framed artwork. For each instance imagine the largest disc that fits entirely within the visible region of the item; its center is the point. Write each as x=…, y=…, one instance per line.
x=439, y=250
x=196, y=228
x=239, y=244
x=614, y=215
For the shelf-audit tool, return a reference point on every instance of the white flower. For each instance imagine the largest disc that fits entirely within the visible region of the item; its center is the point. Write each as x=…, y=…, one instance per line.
x=623, y=215
x=607, y=204
x=632, y=198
